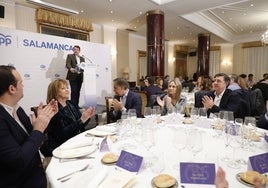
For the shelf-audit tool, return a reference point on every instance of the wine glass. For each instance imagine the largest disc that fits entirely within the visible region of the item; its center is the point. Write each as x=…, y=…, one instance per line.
x=250, y=128
x=239, y=122
x=147, y=112
x=194, y=113
x=202, y=113
x=195, y=143
x=235, y=142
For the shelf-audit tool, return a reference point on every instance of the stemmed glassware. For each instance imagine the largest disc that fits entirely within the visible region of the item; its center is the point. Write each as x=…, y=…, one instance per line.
x=235, y=142
x=194, y=113
x=250, y=129
x=195, y=142
x=239, y=122
x=147, y=112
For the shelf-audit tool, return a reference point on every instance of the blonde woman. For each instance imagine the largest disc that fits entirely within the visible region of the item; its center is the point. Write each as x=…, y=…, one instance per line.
x=173, y=101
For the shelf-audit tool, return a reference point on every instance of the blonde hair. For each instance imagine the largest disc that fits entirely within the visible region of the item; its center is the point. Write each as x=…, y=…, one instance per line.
x=53, y=89
x=178, y=89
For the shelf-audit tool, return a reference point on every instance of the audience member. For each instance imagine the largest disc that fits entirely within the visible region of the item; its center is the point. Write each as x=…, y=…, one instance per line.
x=124, y=100
x=204, y=89
x=20, y=137
x=68, y=122
x=159, y=83
x=151, y=92
x=173, y=101
x=166, y=81
x=250, y=81
x=263, y=121
x=263, y=86
x=75, y=74
x=233, y=85
x=221, y=98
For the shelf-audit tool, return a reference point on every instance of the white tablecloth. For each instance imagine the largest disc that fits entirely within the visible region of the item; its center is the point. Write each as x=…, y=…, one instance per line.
x=163, y=153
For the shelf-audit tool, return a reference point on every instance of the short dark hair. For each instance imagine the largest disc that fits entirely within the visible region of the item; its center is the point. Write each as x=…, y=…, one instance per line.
x=6, y=78
x=76, y=46
x=121, y=82
x=225, y=77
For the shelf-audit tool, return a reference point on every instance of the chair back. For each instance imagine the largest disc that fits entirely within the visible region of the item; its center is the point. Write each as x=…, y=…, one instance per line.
x=108, y=101
x=143, y=100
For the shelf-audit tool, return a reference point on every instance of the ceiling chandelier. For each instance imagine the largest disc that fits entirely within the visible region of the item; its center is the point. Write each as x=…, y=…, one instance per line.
x=264, y=38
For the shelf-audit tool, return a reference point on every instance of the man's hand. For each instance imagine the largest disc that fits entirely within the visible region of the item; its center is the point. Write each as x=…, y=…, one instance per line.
x=44, y=115
x=207, y=102
x=118, y=105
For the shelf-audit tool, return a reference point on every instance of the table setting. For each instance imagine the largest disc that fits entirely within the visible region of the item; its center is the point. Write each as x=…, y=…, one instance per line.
x=154, y=142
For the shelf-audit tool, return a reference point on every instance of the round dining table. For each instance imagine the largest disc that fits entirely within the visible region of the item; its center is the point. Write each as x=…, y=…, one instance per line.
x=163, y=142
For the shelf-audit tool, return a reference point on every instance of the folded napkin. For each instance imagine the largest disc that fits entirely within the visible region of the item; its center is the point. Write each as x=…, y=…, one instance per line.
x=76, y=152
x=119, y=179
x=76, y=142
x=106, y=128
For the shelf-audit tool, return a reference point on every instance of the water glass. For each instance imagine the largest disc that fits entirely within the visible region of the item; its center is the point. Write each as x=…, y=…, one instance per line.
x=147, y=112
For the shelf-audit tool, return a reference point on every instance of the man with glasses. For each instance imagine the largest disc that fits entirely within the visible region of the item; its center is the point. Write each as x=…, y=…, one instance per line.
x=221, y=98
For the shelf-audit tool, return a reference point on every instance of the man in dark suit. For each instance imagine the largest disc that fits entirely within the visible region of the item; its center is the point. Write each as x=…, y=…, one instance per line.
x=221, y=98
x=20, y=138
x=75, y=74
x=124, y=100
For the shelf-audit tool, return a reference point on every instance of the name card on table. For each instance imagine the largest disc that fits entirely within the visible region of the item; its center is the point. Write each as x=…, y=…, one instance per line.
x=129, y=161
x=197, y=173
x=259, y=163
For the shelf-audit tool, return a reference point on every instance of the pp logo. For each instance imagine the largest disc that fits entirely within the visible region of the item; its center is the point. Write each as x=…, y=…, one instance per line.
x=5, y=39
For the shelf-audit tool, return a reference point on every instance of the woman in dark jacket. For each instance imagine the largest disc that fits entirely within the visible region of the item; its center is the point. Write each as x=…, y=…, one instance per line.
x=68, y=122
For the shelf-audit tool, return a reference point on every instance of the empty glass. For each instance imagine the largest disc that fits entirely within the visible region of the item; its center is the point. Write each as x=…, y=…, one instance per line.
x=147, y=112
x=250, y=129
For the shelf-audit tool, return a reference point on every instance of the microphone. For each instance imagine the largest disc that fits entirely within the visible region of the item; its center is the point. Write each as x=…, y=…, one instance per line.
x=87, y=59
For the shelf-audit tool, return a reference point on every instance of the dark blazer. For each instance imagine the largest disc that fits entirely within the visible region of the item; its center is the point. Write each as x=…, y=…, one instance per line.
x=133, y=101
x=71, y=63
x=20, y=161
x=262, y=122
x=63, y=126
x=230, y=101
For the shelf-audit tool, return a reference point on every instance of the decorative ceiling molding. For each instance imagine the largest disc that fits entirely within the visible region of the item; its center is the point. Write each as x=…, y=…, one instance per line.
x=202, y=20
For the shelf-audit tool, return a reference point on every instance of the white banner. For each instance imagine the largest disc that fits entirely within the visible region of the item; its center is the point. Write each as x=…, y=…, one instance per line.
x=41, y=58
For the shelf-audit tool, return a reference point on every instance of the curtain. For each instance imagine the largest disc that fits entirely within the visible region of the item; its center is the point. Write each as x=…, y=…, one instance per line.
x=214, y=62
x=255, y=61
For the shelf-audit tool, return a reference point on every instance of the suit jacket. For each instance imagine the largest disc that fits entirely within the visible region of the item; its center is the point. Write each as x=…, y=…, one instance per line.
x=230, y=101
x=71, y=63
x=20, y=161
x=133, y=101
x=262, y=122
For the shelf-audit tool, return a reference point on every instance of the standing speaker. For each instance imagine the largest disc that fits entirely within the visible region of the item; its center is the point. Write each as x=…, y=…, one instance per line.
x=2, y=11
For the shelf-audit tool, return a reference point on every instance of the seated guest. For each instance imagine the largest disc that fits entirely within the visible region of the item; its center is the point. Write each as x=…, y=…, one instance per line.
x=263, y=86
x=233, y=85
x=159, y=83
x=263, y=121
x=221, y=98
x=124, y=100
x=68, y=122
x=151, y=91
x=205, y=87
x=173, y=101
x=20, y=138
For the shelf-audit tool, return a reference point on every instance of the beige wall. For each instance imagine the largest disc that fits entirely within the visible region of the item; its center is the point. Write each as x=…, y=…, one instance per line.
x=124, y=45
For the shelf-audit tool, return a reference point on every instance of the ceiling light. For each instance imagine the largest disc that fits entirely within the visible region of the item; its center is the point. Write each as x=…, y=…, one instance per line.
x=52, y=6
x=264, y=38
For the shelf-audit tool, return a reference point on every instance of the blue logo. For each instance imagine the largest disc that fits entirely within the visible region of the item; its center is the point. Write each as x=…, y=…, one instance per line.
x=5, y=39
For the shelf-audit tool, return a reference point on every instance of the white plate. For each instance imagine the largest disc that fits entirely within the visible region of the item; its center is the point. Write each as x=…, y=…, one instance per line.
x=75, y=152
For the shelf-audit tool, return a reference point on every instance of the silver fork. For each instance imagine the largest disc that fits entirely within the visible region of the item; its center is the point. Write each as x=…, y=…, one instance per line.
x=67, y=175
